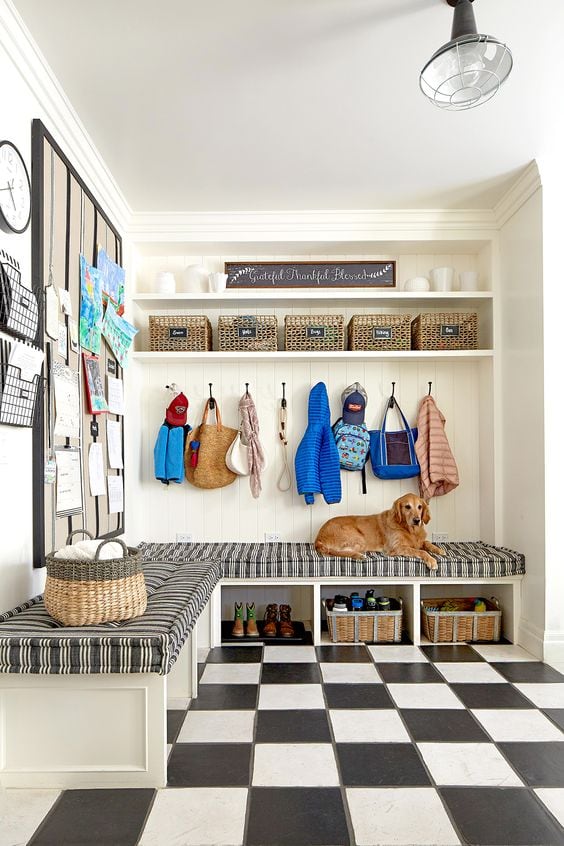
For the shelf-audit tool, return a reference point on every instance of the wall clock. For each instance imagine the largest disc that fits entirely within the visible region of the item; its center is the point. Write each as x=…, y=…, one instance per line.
x=15, y=190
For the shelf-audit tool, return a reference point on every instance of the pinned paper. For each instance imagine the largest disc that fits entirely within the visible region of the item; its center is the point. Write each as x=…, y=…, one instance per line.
x=73, y=334
x=62, y=341
x=28, y=359
x=51, y=312
x=113, y=435
x=69, y=481
x=115, y=395
x=65, y=301
x=67, y=401
x=96, y=470
x=118, y=333
x=115, y=494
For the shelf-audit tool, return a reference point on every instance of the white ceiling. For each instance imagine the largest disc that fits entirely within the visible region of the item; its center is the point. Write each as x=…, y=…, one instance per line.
x=224, y=105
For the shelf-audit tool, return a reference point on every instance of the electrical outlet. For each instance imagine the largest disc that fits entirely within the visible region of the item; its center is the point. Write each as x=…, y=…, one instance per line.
x=440, y=537
x=272, y=537
x=182, y=537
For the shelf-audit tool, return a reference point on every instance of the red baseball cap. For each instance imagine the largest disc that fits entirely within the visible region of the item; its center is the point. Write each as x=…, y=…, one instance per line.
x=177, y=412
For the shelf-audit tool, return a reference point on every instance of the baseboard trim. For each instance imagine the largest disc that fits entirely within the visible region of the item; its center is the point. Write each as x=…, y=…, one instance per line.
x=531, y=638
x=554, y=646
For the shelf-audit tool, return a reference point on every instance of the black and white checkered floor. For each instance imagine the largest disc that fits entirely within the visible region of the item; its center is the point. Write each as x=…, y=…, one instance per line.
x=338, y=745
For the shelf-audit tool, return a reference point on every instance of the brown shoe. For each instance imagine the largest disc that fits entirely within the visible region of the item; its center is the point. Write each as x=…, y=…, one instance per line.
x=238, y=630
x=286, y=628
x=252, y=630
x=270, y=620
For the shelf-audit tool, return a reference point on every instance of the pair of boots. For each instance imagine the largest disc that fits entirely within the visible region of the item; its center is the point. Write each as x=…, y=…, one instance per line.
x=278, y=621
x=238, y=629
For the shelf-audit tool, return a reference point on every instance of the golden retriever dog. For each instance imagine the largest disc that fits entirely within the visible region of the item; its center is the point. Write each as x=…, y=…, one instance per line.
x=398, y=531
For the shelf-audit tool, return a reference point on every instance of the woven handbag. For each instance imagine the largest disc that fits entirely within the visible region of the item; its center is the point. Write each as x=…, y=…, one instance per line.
x=205, y=465
x=86, y=593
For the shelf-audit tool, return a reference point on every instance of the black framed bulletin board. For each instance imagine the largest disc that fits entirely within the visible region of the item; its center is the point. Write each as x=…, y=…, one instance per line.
x=67, y=222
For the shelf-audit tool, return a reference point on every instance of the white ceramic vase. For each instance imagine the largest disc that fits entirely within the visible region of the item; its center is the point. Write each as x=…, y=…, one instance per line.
x=195, y=279
x=442, y=278
x=165, y=283
x=218, y=282
x=418, y=283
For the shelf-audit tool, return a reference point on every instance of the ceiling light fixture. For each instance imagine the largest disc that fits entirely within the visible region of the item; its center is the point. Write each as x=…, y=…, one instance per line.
x=470, y=68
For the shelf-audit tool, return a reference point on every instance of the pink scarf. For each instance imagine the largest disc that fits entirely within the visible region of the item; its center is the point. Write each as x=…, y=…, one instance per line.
x=250, y=436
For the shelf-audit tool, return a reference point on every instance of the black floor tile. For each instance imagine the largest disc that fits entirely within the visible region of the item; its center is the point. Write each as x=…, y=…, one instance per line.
x=216, y=697
x=301, y=726
x=343, y=655
x=201, y=668
x=409, y=673
x=93, y=817
x=291, y=816
x=527, y=671
x=174, y=720
x=209, y=765
x=490, y=696
x=508, y=816
x=285, y=673
x=539, y=764
x=460, y=652
x=381, y=764
x=443, y=725
x=235, y=655
x=357, y=696
x=556, y=715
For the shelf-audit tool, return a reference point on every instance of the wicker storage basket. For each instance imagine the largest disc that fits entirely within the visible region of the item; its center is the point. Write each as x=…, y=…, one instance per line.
x=85, y=593
x=370, y=626
x=380, y=332
x=258, y=333
x=180, y=332
x=310, y=332
x=445, y=331
x=464, y=625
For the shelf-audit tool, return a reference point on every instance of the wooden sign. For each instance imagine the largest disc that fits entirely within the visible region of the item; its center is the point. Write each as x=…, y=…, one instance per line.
x=311, y=274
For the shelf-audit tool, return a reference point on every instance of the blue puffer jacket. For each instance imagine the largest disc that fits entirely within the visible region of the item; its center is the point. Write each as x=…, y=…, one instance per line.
x=317, y=459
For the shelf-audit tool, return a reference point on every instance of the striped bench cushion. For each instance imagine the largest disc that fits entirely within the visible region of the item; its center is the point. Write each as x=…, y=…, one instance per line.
x=31, y=641
x=300, y=560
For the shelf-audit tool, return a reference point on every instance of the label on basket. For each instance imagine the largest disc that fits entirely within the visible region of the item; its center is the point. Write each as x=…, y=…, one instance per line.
x=315, y=331
x=24, y=394
x=176, y=332
x=246, y=331
x=450, y=330
x=382, y=333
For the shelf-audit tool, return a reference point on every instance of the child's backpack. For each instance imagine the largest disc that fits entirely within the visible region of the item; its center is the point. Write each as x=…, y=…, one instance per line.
x=353, y=446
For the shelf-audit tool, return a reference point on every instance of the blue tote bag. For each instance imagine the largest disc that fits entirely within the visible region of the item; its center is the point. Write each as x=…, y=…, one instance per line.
x=392, y=454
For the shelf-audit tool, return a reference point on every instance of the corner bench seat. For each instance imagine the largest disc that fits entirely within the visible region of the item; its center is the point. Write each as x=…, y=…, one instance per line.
x=468, y=559
x=31, y=641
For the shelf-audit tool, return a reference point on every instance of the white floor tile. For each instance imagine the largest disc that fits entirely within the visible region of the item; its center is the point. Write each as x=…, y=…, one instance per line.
x=515, y=725
x=21, y=811
x=197, y=816
x=424, y=696
x=544, y=695
x=295, y=765
x=168, y=750
x=503, y=652
x=231, y=674
x=217, y=727
x=292, y=654
x=349, y=673
x=468, y=764
x=399, y=816
x=365, y=726
x=397, y=654
x=553, y=798
x=473, y=672
x=287, y=697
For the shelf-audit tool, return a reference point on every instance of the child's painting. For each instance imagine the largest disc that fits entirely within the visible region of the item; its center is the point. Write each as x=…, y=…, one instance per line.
x=113, y=280
x=90, y=328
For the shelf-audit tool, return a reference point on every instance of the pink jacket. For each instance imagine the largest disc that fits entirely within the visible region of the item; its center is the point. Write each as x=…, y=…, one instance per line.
x=439, y=473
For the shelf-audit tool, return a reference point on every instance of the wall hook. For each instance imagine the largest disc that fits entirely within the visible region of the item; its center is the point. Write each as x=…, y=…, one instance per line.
x=392, y=400
x=430, y=386
x=246, y=389
x=283, y=400
x=212, y=401
x=173, y=387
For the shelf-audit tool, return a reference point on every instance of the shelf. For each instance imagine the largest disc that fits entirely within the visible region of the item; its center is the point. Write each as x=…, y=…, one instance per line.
x=290, y=296
x=280, y=355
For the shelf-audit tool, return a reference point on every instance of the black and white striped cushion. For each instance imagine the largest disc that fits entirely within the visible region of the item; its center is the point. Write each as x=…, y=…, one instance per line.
x=31, y=641
x=468, y=559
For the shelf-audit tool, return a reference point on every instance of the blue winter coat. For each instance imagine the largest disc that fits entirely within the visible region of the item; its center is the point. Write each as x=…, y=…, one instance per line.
x=317, y=459
x=169, y=453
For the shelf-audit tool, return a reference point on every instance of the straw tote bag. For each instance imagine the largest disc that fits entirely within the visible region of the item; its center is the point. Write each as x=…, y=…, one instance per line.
x=210, y=470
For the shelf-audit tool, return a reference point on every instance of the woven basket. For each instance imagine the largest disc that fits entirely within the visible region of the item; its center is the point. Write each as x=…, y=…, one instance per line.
x=465, y=625
x=380, y=332
x=251, y=333
x=445, y=331
x=180, y=332
x=310, y=332
x=370, y=626
x=85, y=593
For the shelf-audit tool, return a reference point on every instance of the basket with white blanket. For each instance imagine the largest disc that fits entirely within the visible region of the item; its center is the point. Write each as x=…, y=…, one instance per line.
x=85, y=586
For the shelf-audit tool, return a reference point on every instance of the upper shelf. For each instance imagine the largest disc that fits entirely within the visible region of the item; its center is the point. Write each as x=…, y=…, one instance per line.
x=314, y=356
x=289, y=296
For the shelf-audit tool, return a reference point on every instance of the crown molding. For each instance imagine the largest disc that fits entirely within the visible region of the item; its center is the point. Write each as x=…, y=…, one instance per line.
x=56, y=111
x=522, y=189
x=426, y=224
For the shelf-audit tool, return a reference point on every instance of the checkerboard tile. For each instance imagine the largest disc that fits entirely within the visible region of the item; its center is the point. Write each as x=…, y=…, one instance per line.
x=301, y=746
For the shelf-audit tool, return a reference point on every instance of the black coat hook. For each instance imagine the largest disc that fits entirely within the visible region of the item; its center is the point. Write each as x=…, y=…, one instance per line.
x=246, y=389
x=430, y=386
x=212, y=401
x=392, y=400
x=283, y=400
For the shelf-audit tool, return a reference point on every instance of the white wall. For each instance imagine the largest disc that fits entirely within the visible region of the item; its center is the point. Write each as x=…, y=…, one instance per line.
x=27, y=91
x=522, y=406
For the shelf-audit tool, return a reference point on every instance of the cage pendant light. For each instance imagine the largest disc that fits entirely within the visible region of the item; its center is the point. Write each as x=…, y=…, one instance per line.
x=469, y=69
